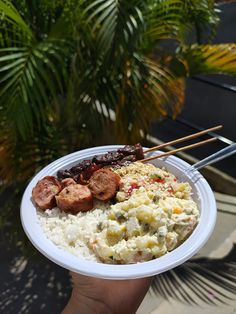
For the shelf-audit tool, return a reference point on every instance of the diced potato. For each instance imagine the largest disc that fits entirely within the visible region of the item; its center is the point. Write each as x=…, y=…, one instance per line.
x=120, y=196
x=104, y=251
x=185, y=227
x=127, y=255
x=146, y=242
x=115, y=232
x=158, y=250
x=171, y=240
x=133, y=227
x=145, y=214
x=162, y=232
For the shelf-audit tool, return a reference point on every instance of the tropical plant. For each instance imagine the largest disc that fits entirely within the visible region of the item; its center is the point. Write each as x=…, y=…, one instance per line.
x=78, y=73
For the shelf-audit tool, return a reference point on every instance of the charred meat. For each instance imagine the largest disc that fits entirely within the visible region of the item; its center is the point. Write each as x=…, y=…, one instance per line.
x=82, y=172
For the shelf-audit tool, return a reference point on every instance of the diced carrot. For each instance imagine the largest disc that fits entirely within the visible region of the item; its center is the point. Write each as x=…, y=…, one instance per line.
x=177, y=210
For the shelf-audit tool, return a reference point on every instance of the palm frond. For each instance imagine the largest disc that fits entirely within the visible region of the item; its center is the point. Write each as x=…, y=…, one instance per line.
x=209, y=59
x=200, y=281
x=143, y=97
x=28, y=74
x=165, y=20
x=65, y=129
x=24, y=157
x=204, y=17
x=174, y=19
x=10, y=16
x=115, y=22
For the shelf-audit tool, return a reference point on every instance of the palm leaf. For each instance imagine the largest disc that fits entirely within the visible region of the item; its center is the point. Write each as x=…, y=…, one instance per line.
x=143, y=97
x=20, y=158
x=200, y=281
x=28, y=74
x=174, y=19
x=90, y=115
x=204, y=17
x=209, y=59
x=165, y=20
x=11, y=16
x=114, y=22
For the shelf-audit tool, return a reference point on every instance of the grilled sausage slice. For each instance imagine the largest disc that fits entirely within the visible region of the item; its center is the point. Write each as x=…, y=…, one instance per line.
x=103, y=184
x=66, y=182
x=44, y=192
x=75, y=198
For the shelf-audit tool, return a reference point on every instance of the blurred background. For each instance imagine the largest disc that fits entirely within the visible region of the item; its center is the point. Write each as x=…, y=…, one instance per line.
x=76, y=74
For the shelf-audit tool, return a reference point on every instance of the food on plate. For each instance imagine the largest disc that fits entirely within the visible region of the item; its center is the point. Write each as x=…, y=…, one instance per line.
x=104, y=184
x=45, y=191
x=75, y=198
x=146, y=213
x=81, y=174
x=66, y=182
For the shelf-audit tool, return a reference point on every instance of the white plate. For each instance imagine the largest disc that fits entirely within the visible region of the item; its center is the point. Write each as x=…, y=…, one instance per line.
x=202, y=194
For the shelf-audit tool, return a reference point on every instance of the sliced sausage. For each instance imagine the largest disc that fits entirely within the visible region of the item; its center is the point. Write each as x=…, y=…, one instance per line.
x=86, y=174
x=103, y=184
x=75, y=198
x=44, y=192
x=66, y=182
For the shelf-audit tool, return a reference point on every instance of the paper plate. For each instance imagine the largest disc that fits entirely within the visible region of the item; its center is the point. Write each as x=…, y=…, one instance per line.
x=202, y=194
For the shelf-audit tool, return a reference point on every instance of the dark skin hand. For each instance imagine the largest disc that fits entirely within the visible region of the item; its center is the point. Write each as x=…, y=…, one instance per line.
x=101, y=296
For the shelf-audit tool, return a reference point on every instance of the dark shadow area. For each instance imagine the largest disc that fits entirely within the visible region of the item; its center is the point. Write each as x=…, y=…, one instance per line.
x=31, y=285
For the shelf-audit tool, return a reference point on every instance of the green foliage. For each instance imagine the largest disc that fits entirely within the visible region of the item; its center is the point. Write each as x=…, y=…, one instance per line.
x=209, y=59
x=68, y=67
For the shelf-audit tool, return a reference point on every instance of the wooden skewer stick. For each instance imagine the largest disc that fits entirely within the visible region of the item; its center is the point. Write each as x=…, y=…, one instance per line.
x=188, y=137
x=179, y=149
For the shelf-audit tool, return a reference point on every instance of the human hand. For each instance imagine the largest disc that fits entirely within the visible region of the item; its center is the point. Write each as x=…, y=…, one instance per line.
x=95, y=295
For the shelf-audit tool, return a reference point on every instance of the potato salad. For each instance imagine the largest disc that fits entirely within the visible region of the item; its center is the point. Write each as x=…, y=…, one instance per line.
x=153, y=214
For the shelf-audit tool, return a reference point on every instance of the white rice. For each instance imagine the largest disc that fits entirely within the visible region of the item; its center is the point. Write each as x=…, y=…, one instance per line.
x=72, y=232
